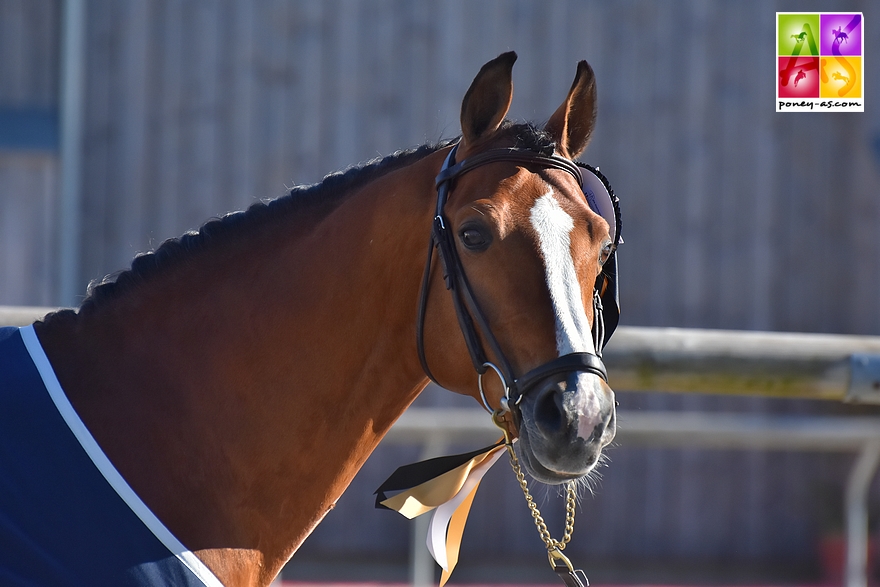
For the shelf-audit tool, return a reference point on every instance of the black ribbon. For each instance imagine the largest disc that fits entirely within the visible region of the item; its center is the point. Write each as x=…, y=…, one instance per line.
x=409, y=476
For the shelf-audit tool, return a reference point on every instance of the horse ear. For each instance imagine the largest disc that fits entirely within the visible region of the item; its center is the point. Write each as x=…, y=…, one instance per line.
x=488, y=99
x=572, y=124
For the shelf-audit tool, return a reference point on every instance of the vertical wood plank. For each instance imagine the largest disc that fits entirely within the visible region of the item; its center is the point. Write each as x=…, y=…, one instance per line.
x=129, y=159
x=306, y=101
x=240, y=154
x=170, y=54
x=99, y=133
x=28, y=196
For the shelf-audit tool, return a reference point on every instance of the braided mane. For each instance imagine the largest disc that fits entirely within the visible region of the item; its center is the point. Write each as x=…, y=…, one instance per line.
x=317, y=199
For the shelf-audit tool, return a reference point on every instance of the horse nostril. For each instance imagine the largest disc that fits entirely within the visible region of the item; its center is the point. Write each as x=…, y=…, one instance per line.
x=599, y=431
x=548, y=411
x=610, y=429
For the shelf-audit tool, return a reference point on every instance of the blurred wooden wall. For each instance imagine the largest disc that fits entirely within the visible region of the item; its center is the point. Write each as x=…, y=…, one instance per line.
x=734, y=216
x=29, y=41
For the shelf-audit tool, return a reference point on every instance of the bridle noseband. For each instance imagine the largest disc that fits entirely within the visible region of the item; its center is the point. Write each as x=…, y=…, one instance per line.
x=471, y=319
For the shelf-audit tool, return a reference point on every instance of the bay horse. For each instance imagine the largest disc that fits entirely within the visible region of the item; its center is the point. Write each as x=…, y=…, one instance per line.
x=231, y=383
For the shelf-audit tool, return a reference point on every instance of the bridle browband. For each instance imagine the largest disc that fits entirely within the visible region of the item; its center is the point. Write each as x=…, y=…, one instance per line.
x=471, y=319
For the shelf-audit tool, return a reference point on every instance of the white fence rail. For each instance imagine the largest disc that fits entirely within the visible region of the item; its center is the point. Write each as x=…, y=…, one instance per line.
x=782, y=364
x=22, y=315
x=795, y=365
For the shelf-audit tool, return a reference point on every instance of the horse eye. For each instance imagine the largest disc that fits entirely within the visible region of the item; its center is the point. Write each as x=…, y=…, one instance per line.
x=474, y=238
x=605, y=253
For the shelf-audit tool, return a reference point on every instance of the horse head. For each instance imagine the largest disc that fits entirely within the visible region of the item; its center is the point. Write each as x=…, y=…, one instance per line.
x=525, y=256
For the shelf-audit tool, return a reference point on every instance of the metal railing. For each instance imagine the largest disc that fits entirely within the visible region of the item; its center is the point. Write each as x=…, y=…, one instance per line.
x=782, y=364
x=22, y=315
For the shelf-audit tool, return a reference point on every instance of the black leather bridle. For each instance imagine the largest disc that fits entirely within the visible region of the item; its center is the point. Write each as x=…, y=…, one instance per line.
x=472, y=321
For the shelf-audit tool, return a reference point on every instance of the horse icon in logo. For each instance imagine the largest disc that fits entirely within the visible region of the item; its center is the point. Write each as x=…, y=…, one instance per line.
x=800, y=38
x=839, y=36
x=800, y=75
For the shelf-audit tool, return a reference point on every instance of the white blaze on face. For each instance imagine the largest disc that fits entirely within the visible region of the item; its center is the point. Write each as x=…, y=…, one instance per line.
x=553, y=226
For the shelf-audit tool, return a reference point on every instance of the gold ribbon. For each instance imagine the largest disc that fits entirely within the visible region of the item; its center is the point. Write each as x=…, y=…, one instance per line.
x=454, y=534
x=449, y=492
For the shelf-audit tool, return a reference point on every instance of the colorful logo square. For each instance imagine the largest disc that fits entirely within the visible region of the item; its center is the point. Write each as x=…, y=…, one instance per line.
x=798, y=34
x=798, y=77
x=819, y=61
x=839, y=77
x=841, y=34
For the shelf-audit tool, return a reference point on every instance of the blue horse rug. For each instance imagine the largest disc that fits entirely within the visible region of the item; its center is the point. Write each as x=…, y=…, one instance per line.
x=67, y=517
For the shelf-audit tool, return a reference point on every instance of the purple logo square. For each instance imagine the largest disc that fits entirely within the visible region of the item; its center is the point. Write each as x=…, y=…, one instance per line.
x=841, y=34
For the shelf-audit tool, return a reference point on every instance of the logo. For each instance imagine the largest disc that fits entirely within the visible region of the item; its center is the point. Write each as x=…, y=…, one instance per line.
x=819, y=65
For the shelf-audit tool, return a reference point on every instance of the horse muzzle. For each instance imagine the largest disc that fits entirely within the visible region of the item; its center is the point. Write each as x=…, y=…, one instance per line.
x=565, y=418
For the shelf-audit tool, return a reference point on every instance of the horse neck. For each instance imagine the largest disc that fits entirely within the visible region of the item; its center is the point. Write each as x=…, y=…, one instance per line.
x=240, y=394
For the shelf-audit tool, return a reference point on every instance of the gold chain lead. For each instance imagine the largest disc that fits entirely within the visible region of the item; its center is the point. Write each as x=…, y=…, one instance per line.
x=570, y=502
x=554, y=547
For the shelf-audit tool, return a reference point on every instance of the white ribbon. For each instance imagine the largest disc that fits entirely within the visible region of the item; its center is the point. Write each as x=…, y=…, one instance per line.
x=439, y=525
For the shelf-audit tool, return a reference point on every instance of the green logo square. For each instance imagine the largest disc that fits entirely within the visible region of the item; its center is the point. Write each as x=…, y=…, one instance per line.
x=798, y=34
